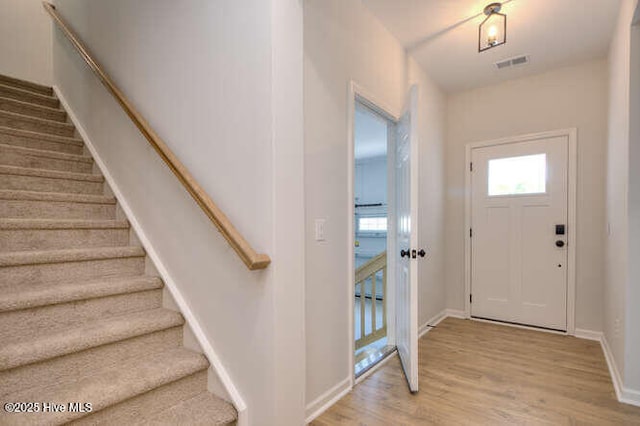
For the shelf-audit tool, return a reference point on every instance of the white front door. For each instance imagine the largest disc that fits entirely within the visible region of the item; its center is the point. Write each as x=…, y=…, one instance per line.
x=519, y=232
x=406, y=189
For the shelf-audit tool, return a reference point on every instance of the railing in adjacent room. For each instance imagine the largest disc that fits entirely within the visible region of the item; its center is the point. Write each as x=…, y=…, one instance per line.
x=368, y=273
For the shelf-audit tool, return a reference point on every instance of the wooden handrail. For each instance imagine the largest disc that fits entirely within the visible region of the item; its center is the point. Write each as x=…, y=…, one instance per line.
x=249, y=256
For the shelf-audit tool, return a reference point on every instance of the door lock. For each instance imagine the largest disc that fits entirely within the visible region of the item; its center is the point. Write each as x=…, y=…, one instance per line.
x=413, y=254
x=559, y=243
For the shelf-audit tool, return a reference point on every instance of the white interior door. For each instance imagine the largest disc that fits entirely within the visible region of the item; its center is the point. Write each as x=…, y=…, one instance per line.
x=406, y=178
x=519, y=232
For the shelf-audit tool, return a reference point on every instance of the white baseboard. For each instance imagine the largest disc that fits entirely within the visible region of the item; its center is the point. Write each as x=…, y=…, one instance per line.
x=327, y=399
x=456, y=313
x=435, y=320
x=203, y=341
x=624, y=395
x=582, y=333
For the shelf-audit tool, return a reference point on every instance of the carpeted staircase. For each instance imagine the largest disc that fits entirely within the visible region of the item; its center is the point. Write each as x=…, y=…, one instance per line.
x=80, y=320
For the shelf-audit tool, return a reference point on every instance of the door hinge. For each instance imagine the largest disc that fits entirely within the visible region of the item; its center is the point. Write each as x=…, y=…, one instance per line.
x=470, y=232
x=471, y=166
x=471, y=298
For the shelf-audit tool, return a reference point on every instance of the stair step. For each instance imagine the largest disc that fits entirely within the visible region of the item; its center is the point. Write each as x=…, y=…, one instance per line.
x=70, y=367
x=42, y=141
x=25, y=298
x=50, y=234
x=7, y=91
x=42, y=180
x=46, y=268
x=117, y=392
x=53, y=205
x=27, y=311
x=39, y=347
x=201, y=410
x=33, y=124
x=32, y=110
x=18, y=156
x=26, y=85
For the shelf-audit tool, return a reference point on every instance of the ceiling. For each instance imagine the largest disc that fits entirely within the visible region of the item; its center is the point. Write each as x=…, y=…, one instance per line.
x=442, y=35
x=370, y=134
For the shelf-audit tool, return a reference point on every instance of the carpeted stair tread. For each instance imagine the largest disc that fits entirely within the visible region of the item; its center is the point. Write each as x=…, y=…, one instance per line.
x=26, y=85
x=74, y=255
x=29, y=122
x=201, y=410
x=47, y=154
x=55, y=196
x=109, y=386
x=6, y=224
x=27, y=298
x=97, y=333
x=38, y=135
x=32, y=110
x=46, y=173
x=21, y=94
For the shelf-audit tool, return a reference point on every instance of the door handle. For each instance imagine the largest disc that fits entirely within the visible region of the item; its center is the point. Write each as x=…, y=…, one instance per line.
x=422, y=253
x=404, y=253
x=559, y=243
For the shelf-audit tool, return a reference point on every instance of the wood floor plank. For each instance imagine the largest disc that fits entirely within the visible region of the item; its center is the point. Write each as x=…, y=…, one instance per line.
x=476, y=373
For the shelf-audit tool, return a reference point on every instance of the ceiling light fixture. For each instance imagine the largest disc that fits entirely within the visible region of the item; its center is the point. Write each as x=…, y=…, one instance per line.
x=493, y=30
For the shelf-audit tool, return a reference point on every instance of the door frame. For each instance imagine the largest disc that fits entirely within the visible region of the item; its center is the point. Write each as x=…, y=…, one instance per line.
x=572, y=188
x=357, y=93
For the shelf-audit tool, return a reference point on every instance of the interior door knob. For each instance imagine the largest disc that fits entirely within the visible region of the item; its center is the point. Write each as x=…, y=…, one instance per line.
x=404, y=253
x=422, y=253
x=560, y=243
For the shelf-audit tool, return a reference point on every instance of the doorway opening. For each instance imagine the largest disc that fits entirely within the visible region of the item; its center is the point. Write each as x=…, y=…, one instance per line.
x=373, y=133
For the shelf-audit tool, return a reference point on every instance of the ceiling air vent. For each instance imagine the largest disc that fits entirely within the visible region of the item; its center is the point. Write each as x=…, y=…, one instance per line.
x=512, y=62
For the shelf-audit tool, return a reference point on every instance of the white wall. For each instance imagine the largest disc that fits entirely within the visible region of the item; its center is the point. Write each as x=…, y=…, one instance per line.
x=632, y=376
x=228, y=102
x=621, y=299
x=25, y=41
x=575, y=96
x=344, y=42
x=370, y=176
x=371, y=180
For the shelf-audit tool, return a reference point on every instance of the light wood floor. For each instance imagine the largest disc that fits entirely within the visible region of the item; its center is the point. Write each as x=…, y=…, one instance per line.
x=478, y=373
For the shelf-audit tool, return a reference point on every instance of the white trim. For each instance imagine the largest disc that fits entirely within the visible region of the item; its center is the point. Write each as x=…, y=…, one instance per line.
x=327, y=399
x=351, y=279
x=456, y=313
x=582, y=333
x=624, y=395
x=216, y=364
x=613, y=367
x=438, y=318
x=434, y=321
x=572, y=190
x=357, y=93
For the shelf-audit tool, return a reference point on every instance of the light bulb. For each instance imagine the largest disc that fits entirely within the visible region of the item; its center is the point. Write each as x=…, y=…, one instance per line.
x=492, y=35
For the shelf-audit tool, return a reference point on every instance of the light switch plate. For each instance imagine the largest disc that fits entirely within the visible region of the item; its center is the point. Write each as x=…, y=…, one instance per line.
x=320, y=224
